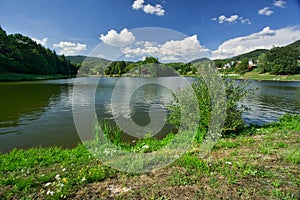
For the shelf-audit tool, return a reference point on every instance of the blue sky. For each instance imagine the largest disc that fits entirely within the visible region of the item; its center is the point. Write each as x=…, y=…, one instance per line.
x=213, y=28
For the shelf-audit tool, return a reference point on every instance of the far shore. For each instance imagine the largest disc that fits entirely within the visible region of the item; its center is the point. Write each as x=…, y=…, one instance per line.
x=14, y=77
x=264, y=77
x=11, y=77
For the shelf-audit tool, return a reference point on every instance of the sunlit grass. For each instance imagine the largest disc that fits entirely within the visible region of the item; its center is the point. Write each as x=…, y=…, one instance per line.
x=261, y=162
x=267, y=77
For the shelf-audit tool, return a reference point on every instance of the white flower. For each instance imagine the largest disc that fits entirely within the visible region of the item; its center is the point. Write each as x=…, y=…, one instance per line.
x=57, y=177
x=83, y=179
x=50, y=192
x=229, y=163
x=47, y=184
x=64, y=169
x=145, y=146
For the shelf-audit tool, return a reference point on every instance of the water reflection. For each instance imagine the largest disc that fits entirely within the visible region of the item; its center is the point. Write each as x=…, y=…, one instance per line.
x=36, y=114
x=271, y=100
x=40, y=113
x=21, y=103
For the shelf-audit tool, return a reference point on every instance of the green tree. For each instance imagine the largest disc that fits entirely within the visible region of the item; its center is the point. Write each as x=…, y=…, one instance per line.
x=151, y=60
x=235, y=91
x=263, y=64
x=242, y=67
x=283, y=60
x=21, y=54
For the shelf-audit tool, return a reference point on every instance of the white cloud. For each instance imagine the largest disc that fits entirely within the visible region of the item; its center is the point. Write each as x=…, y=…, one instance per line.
x=148, y=9
x=265, y=11
x=245, y=21
x=42, y=42
x=231, y=19
x=137, y=4
x=267, y=31
x=186, y=49
x=264, y=39
x=114, y=39
x=279, y=3
x=69, y=48
x=156, y=10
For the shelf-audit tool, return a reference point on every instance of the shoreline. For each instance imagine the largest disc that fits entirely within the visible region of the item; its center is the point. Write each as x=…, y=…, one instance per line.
x=11, y=77
x=264, y=77
x=14, y=77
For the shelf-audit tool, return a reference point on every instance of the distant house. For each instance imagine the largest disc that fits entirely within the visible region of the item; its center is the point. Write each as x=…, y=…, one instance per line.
x=252, y=64
x=228, y=65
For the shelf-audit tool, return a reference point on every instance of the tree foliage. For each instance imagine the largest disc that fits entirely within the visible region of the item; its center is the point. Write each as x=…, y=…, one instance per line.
x=263, y=66
x=235, y=91
x=283, y=60
x=20, y=54
x=242, y=67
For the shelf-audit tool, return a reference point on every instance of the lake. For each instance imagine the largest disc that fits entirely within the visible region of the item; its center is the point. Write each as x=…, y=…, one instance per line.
x=40, y=113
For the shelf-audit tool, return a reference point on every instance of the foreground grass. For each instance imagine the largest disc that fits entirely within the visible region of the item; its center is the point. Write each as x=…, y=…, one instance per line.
x=29, y=77
x=261, y=163
x=266, y=77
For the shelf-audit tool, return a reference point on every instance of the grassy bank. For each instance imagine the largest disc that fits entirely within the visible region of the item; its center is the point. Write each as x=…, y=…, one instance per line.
x=29, y=77
x=260, y=163
x=266, y=77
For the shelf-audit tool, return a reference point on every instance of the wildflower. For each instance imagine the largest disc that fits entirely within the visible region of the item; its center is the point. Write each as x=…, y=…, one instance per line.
x=57, y=177
x=83, y=179
x=50, y=192
x=47, y=184
x=229, y=163
x=64, y=180
x=145, y=146
x=64, y=169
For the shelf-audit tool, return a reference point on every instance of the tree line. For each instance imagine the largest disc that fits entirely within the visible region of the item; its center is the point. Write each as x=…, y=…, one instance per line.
x=277, y=61
x=20, y=54
x=150, y=66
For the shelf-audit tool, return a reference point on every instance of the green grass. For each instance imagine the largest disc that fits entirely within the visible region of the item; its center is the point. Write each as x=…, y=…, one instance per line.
x=259, y=163
x=266, y=77
x=28, y=77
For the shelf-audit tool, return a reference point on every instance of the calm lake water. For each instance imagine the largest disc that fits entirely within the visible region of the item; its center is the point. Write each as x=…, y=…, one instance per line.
x=40, y=113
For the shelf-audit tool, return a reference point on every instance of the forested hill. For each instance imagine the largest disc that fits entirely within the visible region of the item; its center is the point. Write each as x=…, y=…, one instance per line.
x=20, y=54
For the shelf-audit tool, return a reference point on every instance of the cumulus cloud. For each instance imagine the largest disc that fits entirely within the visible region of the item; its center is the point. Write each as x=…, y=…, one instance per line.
x=156, y=10
x=186, y=49
x=148, y=9
x=231, y=19
x=265, y=11
x=114, y=39
x=264, y=39
x=137, y=4
x=69, y=48
x=279, y=3
x=42, y=42
x=267, y=31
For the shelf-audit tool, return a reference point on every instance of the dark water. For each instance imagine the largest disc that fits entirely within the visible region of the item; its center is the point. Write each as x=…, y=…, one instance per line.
x=40, y=113
x=271, y=100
